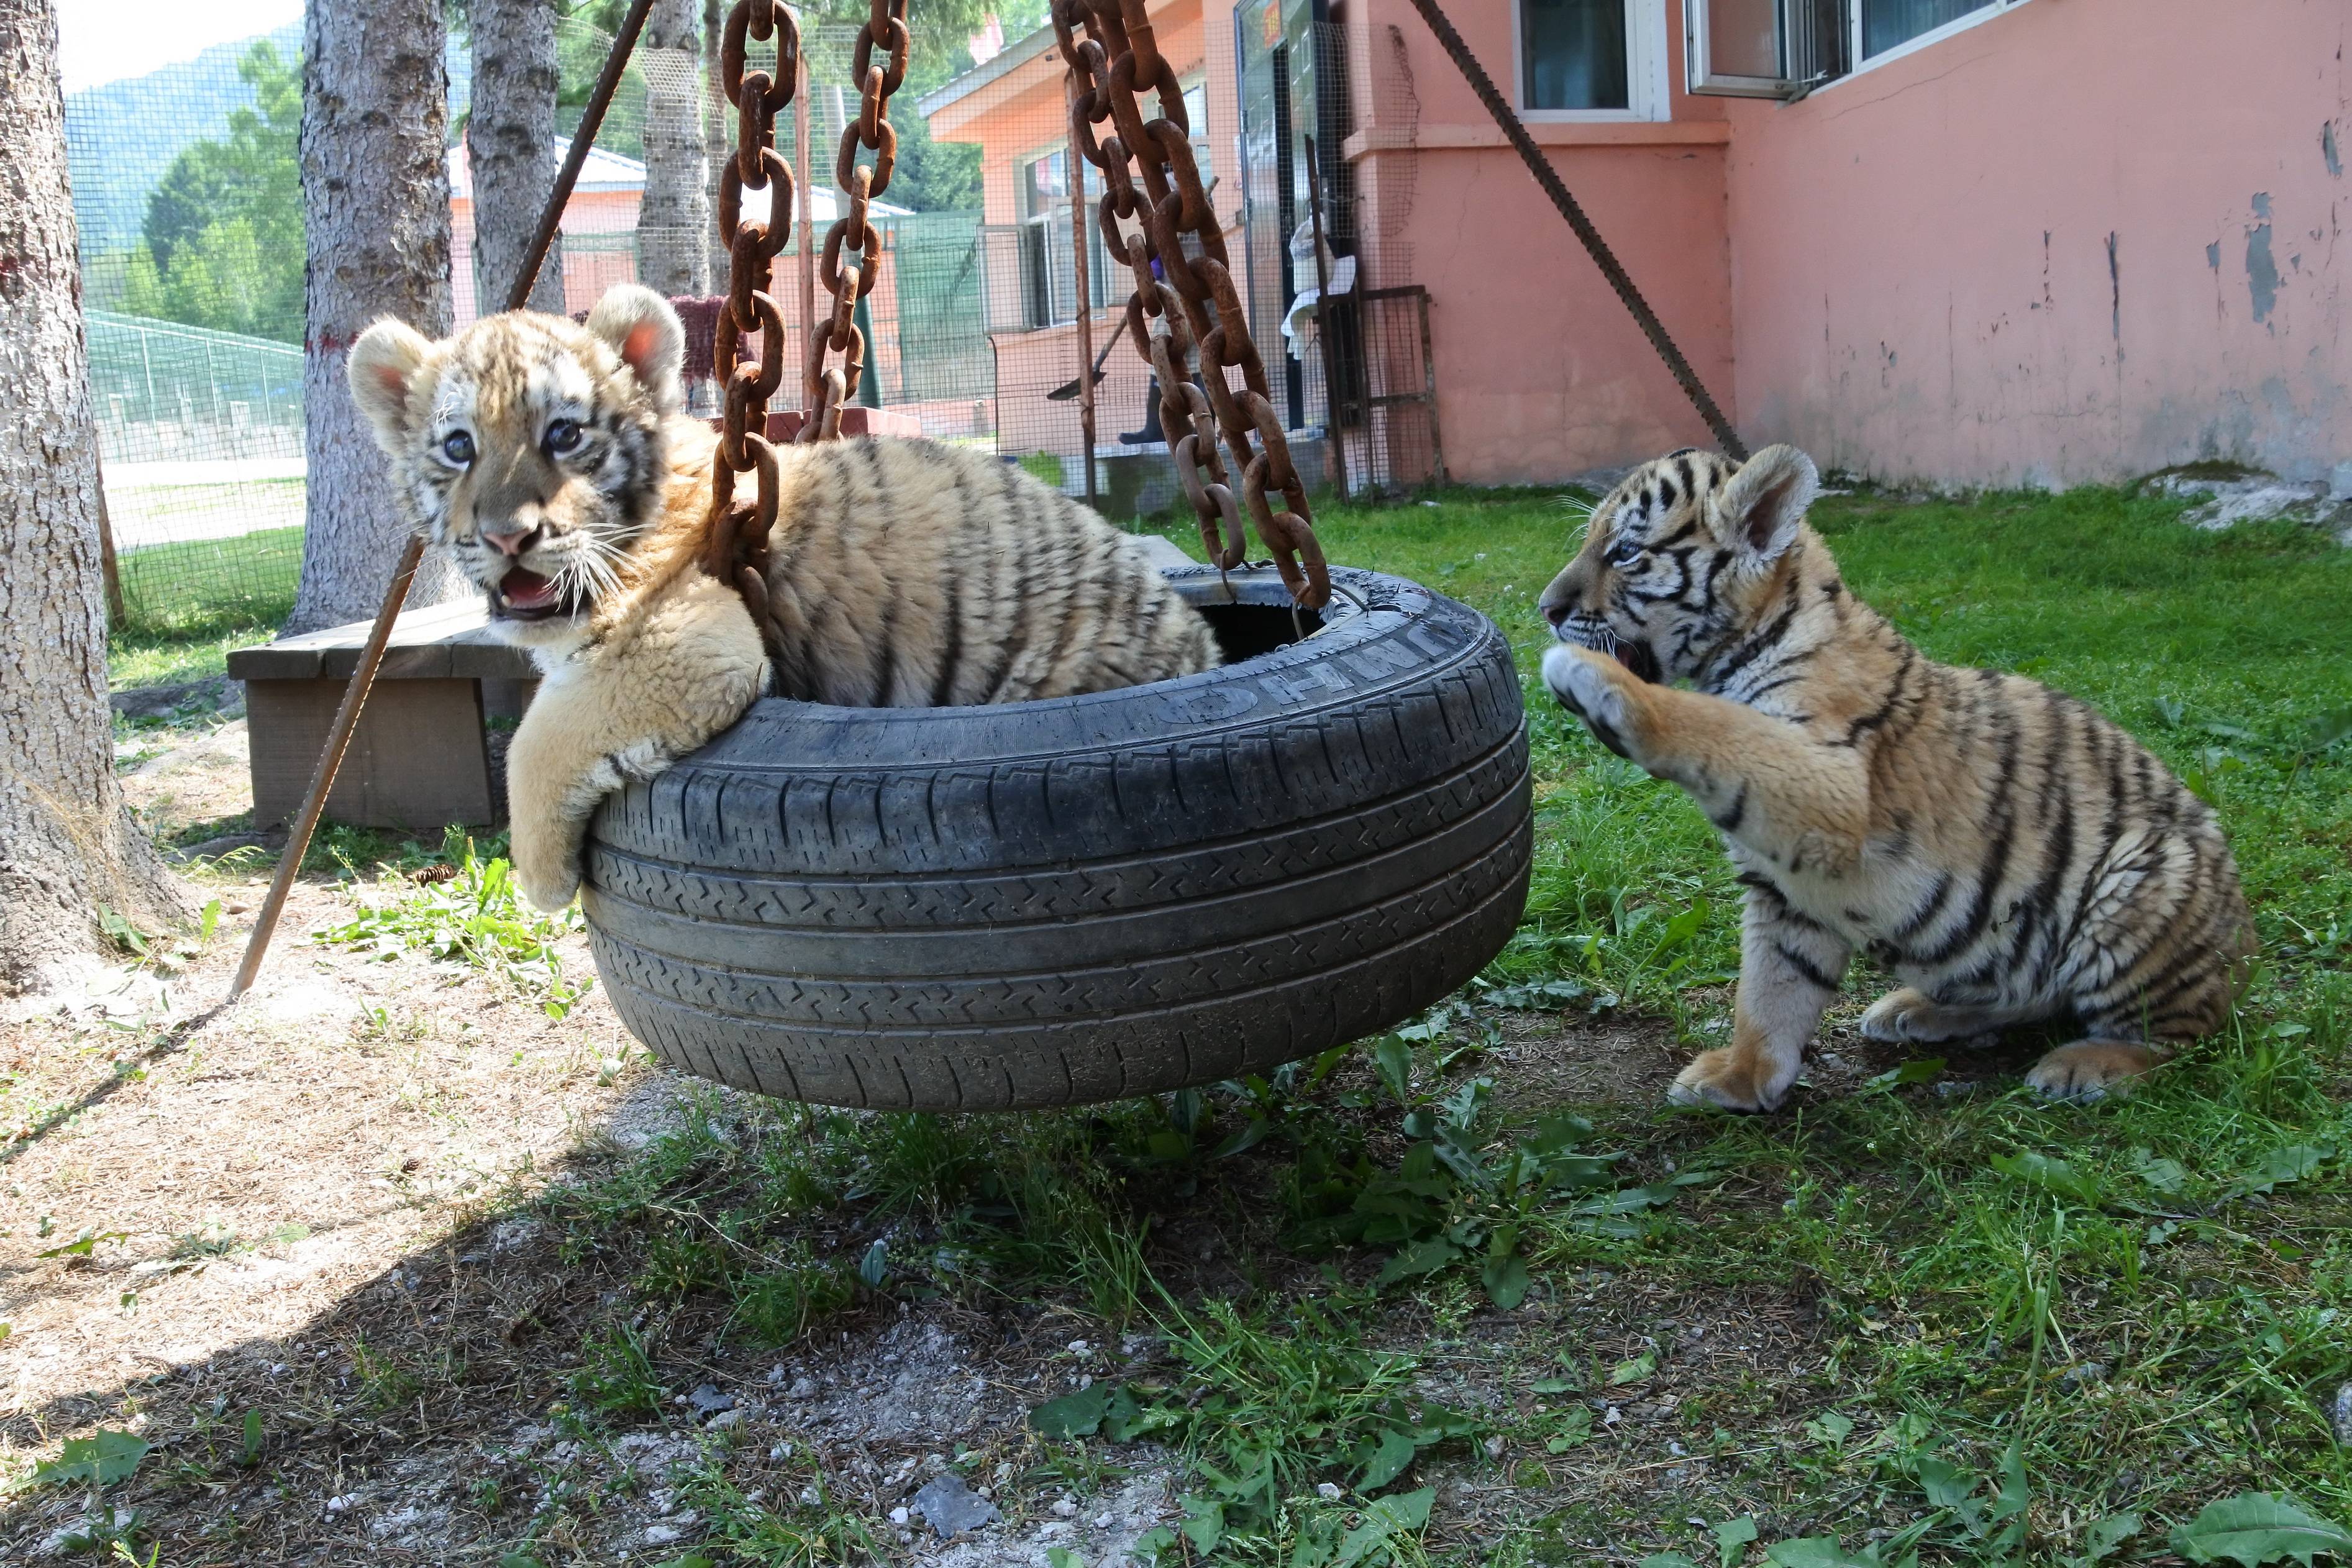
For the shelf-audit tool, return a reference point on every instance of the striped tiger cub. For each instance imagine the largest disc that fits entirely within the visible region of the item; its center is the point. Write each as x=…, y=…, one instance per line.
x=555, y=464
x=2006, y=851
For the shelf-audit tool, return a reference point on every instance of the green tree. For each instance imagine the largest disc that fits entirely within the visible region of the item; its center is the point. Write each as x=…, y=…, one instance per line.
x=222, y=243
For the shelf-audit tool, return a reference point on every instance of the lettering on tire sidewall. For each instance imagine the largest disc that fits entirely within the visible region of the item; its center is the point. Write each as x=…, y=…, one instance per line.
x=1337, y=673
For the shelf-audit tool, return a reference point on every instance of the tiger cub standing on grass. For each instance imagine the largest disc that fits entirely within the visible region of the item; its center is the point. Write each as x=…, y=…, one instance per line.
x=2009, y=853
x=555, y=464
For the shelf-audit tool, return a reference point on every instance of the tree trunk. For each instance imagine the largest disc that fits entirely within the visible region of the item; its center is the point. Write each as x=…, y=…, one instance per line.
x=67, y=847
x=510, y=136
x=673, y=219
x=376, y=221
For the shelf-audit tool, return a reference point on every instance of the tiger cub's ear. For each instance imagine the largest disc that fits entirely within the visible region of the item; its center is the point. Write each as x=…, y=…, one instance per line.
x=1757, y=513
x=382, y=367
x=647, y=335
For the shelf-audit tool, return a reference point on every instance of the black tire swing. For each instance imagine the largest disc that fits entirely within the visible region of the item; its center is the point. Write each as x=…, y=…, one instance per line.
x=1080, y=899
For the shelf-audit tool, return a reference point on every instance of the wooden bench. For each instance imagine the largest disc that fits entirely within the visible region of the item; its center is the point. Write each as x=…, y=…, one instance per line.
x=420, y=757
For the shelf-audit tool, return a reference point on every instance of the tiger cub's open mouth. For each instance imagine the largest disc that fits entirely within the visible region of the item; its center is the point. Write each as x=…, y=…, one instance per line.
x=1637, y=657
x=523, y=594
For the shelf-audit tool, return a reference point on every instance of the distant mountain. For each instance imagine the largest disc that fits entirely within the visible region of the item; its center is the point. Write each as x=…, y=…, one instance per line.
x=120, y=137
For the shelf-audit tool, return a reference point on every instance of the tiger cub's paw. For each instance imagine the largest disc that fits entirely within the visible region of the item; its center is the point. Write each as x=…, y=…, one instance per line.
x=1729, y=1078
x=547, y=873
x=1905, y=1017
x=548, y=889
x=1587, y=686
x=2090, y=1070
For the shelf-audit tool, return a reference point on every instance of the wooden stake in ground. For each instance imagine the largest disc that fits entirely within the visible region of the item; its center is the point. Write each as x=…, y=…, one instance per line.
x=339, y=740
x=117, y=611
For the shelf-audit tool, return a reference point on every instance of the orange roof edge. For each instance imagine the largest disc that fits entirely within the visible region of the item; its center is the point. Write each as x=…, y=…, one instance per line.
x=1024, y=64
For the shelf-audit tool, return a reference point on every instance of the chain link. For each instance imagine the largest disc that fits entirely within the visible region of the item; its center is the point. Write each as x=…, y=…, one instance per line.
x=852, y=260
x=1153, y=197
x=735, y=544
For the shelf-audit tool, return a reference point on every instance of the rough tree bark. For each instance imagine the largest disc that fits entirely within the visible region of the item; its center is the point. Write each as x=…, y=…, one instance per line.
x=674, y=220
x=376, y=220
x=510, y=137
x=67, y=844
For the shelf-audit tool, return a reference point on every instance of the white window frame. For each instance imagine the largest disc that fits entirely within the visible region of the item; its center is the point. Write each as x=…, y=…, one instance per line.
x=1055, y=228
x=1725, y=84
x=1649, y=90
x=1701, y=81
x=1932, y=37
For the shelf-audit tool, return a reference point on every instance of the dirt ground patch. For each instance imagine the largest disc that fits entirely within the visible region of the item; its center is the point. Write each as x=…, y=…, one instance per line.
x=316, y=1207
x=305, y=1206
x=179, y=777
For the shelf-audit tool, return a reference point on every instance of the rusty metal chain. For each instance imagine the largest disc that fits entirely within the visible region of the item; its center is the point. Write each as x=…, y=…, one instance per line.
x=735, y=544
x=1169, y=316
x=851, y=262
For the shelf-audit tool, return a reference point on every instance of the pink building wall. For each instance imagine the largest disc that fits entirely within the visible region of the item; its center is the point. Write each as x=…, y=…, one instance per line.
x=2083, y=240
x=586, y=273
x=2077, y=240
x=1541, y=374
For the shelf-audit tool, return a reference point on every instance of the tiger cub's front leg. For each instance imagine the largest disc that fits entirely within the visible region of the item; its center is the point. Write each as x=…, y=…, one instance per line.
x=1802, y=806
x=566, y=757
x=1789, y=972
x=621, y=713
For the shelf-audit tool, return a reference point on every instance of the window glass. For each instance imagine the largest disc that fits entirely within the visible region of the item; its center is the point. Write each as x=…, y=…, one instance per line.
x=1743, y=38
x=1045, y=184
x=1048, y=281
x=1572, y=54
x=1196, y=115
x=1887, y=24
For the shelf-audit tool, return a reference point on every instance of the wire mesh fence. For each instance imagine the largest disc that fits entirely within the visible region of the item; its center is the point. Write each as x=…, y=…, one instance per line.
x=193, y=257
x=189, y=202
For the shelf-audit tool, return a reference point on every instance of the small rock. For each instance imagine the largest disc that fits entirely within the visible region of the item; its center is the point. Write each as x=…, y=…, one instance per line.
x=166, y=701
x=1328, y=1492
x=707, y=1400
x=662, y=1534
x=1068, y=1507
x=2252, y=496
x=899, y=1515
x=951, y=1508
x=338, y=1504
x=2342, y=1416
x=213, y=848
x=802, y=1388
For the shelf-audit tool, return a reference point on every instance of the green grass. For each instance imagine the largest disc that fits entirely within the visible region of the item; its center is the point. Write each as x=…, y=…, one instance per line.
x=137, y=656
x=2034, y=1333
x=1985, y=1329
x=189, y=603
x=460, y=908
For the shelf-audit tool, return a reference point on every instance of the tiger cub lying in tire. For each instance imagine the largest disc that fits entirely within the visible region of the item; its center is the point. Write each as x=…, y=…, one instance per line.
x=555, y=464
x=2007, y=852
